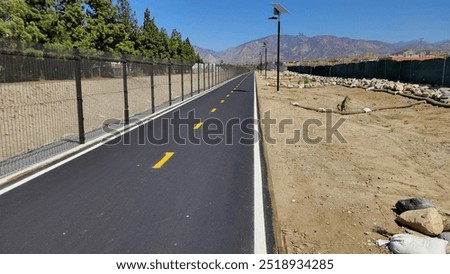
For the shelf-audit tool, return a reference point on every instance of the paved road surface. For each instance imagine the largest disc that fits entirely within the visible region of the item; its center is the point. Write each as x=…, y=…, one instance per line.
x=132, y=196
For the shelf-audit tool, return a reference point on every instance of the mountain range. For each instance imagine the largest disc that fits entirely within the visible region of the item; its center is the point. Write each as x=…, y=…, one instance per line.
x=301, y=47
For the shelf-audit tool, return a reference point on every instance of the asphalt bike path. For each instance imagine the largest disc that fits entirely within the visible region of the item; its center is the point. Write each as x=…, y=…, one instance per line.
x=161, y=188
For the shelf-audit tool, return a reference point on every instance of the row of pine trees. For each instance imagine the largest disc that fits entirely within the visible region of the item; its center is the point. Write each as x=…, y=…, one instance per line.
x=102, y=25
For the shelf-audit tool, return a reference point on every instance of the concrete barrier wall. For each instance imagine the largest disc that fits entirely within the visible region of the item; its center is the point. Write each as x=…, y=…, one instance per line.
x=433, y=72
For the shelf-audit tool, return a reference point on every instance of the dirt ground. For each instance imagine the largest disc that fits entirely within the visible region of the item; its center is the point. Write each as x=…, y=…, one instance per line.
x=36, y=113
x=337, y=197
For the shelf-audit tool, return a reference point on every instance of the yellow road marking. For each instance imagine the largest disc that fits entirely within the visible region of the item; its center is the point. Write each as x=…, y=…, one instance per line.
x=228, y=95
x=197, y=126
x=222, y=101
x=213, y=110
x=164, y=160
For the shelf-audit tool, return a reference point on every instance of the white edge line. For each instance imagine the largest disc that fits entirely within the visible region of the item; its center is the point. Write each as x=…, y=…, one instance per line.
x=84, y=151
x=260, y=246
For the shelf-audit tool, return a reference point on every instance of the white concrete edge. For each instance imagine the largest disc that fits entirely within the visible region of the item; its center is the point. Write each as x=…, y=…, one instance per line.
x=260, y=245
x=80, y=150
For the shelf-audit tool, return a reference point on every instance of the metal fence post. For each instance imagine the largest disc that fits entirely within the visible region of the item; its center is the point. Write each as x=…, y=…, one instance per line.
x=410, y=72
x=192, y=83
x=81, y=134
x=198, y=77
x=126, y=110
x=209, y=77
x=182, y=81
x=443, y=72
x=376, y=69
x=170, y=83
x=152, y=85
x=218, y=74
x=204, y=77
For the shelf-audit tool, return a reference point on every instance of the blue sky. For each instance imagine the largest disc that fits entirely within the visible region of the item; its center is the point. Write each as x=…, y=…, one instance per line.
x=221, y=24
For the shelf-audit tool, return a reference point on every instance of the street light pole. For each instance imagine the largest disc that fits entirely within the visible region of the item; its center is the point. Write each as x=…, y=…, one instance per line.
x=265, y=60
x=260, y=63
x=277, y=11
x=278, y=54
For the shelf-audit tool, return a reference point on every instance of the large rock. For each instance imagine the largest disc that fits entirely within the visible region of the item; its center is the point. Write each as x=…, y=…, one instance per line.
x=413, y=204
x=427, y=221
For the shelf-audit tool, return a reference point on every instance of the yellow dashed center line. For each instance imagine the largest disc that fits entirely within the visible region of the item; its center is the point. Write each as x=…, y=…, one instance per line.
x=163, y=160
x=169, y=155
x=198, y=125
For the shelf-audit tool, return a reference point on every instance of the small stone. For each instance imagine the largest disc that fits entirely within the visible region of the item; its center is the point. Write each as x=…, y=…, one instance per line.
x=444, y=98
x=389, y=85
x=399, y=86
x=427, y=221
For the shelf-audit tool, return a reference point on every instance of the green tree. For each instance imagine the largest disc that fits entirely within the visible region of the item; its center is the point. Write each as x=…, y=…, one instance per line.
x=104, y=32
x=175, y=45
x=163, y=46
x=90, y=24
x=43, y=15
x=71, y=26
x=127, y=17
x=17, y=21
x=149, y=38
x=188, y=53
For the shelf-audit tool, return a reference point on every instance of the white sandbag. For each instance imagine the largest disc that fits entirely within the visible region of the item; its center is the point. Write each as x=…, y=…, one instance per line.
x=411, y=244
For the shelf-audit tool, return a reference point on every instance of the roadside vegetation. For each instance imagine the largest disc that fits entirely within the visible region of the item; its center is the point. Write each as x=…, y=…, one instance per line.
x=101, y=25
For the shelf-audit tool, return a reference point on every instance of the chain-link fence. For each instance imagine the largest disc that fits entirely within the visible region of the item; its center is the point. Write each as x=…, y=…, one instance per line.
x=434, y=72
x=51, y=102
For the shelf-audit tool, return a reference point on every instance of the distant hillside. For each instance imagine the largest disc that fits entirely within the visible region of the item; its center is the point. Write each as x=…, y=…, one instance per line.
x=301, y=47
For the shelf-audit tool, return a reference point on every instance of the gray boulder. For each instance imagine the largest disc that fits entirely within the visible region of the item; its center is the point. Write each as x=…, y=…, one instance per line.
x=445, y=236
x=413, y=204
